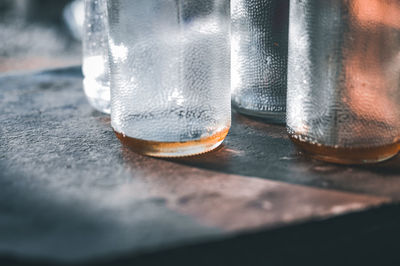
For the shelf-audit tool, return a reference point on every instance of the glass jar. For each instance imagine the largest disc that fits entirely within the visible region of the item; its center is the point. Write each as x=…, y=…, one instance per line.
x=95, y=68
x=170, y=75
x=344, y=79
x=259, y=57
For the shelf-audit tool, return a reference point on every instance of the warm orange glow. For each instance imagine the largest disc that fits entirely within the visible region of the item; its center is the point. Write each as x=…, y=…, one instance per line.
x=372, y=61
x=160, y=149
x=347, y=155
x=370, y=94
x=386, y=12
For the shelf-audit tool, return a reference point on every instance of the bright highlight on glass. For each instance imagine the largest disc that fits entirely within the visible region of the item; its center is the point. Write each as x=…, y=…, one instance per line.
x=95, y=65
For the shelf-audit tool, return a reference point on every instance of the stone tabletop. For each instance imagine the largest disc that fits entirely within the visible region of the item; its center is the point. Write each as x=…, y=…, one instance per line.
x=70, y=193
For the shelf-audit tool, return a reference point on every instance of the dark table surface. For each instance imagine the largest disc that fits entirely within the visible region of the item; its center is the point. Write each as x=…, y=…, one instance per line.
x=71, y=194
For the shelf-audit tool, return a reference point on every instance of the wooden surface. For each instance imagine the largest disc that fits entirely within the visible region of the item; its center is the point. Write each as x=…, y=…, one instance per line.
x=70, y=193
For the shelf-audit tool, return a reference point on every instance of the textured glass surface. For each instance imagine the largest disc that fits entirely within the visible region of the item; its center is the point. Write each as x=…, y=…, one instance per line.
x=170, y=69
x=344, y=72
x=259, y=56
x=95, y=66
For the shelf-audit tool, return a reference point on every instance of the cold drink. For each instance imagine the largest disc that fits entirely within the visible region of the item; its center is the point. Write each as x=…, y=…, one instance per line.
x=170, y=74
x=344, y=79
x=259, y=57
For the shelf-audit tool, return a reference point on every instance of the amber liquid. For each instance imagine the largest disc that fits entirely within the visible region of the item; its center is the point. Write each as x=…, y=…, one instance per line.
x=173, y=149
x=347, y=155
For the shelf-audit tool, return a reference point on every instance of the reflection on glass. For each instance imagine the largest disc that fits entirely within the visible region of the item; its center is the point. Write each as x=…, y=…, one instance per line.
x=344, y=79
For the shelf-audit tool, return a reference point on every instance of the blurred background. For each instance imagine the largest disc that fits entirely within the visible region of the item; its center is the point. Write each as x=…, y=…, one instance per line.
x=39, y=34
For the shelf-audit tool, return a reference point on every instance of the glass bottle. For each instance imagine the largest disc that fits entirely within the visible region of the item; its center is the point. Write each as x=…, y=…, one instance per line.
x=95, y=66
x=344, y=79
x=170, y=75
x=259, y=57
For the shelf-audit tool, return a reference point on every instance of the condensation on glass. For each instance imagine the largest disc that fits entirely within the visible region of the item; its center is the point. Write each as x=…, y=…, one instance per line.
x=344, y=79
x=95, y=65
x=259, y=57
x=170, y=75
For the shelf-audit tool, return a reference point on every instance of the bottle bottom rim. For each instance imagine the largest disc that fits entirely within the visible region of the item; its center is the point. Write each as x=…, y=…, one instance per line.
x=268, y=116
x=347, y=156
x=173, y=149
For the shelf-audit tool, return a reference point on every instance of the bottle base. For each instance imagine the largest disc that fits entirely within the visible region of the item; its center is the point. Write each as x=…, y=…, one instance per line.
x=271, y=117
x=347, y=155
x=173, y=149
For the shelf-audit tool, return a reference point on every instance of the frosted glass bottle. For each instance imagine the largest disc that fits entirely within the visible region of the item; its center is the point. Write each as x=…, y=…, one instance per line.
x=170, y=75
x=344, y=79
x=95, y=66
x=259, y=57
